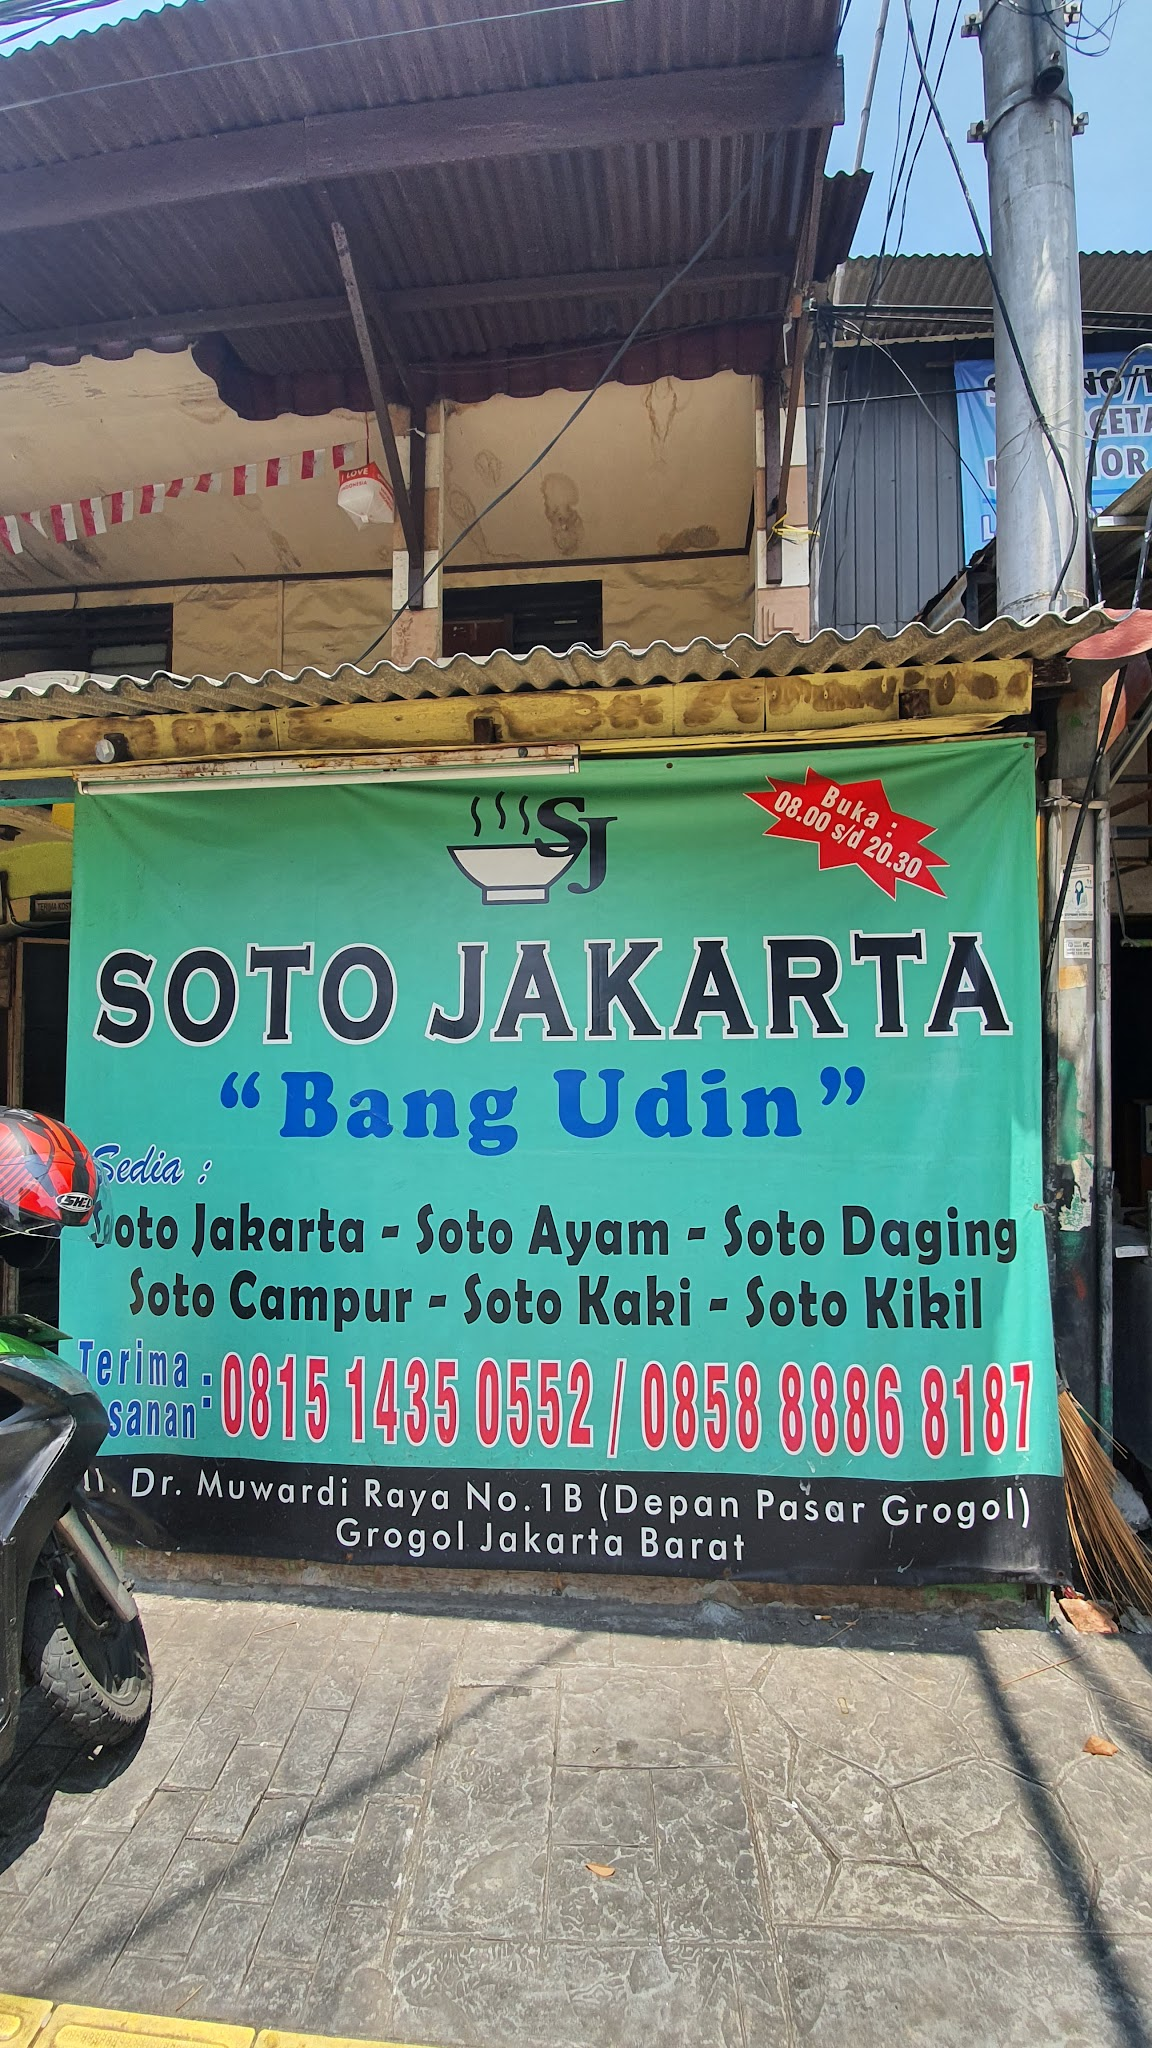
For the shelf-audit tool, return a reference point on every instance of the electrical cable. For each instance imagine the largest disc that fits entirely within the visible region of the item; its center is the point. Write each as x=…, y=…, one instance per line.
x=900, y=173
x=1133, y=740
x=1090, y=465
x=749, y=185
x=1074, y=31
x=938, y=424
x=1077, y=830
x=1013, y=339
x=386, y=35
x=874, y=287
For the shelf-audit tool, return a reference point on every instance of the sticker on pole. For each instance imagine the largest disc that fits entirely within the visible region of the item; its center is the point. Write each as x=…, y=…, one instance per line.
x=854, y=825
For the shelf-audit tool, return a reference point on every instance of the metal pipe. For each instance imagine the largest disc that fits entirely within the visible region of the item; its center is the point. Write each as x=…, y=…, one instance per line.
x=371, y=368
x=816, y=547
x=1032, y=204
x=869, y=89
x=1102, y=921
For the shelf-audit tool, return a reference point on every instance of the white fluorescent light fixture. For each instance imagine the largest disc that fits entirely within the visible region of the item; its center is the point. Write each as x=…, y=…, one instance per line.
x=329, y=771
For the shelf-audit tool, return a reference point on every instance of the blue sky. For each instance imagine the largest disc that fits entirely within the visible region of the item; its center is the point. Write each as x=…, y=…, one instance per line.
x=1111, y=173
x=1110, y=158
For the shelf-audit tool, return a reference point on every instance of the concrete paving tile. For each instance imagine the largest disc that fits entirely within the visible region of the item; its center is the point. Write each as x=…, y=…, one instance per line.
x=94, y=1943
x=336, y=1687
x=493, y=1723
x=853, y=1810
x=274, y=1994
x=760, y=1989
x=578, y=1995
x=210, y=1743
x=357, y=1939
x=308, y=1752
x=952, y=1990
x=227, y=1809
x=372, y=1717
x=304, y=1903
x=580, y=1906
x=225, y=1944
x=867, y=1894
x=661, y=1650
x=376, y=1866
x=73, y=1872
x=29, y=1848
x=709, y=1876
x=171, y=1812
x=24, y=1963
x=638, y=1718
x=808, y=1686
x=610, y=1805
x=120, y=1803
x=974, y=1827
x=140, y=1983
x=260, y=1858
x=29, y=1790
x=481, y=1863
x=800, y=1862
x=1109, y=1802
x=1034, y=1721
x=748, y=1664
x=142, y=1858
x=338, y=1808
x=526, y=1653
x=406, y=1760
x=169, y=1926
x=357, y=2005
x=280, y=1705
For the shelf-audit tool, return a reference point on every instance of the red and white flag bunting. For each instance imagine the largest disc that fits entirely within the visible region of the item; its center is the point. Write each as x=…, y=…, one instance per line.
x=87, y=517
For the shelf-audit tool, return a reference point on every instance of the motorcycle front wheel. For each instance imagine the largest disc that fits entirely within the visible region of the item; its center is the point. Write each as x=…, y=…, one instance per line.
x=92, y=1667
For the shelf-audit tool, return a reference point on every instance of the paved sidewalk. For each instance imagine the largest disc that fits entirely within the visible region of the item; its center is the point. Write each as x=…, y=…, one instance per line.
x=376, y=1820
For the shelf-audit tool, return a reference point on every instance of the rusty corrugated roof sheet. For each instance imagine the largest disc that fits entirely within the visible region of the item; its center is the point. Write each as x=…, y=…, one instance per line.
x=223, y=66
x=952, y=297
x=56, y=695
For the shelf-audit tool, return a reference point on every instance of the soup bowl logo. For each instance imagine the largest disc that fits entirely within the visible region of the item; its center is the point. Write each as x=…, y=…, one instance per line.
x=510, y=863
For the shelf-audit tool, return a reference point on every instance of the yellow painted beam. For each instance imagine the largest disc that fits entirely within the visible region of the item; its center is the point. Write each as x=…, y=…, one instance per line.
x=740, y=706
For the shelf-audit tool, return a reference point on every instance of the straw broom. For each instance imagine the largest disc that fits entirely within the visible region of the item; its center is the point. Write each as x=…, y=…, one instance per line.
x=1113, y=1562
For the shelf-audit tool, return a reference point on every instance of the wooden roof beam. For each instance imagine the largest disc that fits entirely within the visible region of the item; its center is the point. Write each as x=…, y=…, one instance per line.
x=745, y=99
x=707, y=276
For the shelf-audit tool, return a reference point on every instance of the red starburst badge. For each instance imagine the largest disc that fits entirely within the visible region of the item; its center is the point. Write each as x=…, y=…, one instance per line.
x=854, y=825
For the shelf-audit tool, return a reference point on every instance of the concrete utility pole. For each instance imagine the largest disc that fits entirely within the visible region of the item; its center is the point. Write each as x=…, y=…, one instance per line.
x=1027, y=134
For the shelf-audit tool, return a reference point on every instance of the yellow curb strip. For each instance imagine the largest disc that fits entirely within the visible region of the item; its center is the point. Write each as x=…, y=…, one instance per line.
x=20, y=2019
x=270, y=2039
x=86, y=2026
x=24, y=2020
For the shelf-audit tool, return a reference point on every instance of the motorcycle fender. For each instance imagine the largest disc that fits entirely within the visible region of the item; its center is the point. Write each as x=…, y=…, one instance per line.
x=92, y=1553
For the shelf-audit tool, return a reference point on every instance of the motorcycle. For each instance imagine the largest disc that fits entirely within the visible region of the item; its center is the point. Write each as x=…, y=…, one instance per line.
x=68, y=1620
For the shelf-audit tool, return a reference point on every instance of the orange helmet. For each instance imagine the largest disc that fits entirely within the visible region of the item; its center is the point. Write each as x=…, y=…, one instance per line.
x=48, y=1179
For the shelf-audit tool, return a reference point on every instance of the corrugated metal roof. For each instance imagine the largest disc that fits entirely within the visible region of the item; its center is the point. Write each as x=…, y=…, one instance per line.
x=56, y=695
x=187, y=72
x=1113, y=284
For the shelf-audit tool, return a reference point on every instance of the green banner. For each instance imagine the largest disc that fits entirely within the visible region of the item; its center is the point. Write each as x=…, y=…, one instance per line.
x=636, y=1171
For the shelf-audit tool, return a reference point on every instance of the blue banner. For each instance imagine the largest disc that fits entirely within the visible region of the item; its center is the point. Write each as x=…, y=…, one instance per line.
x=1123, y=446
